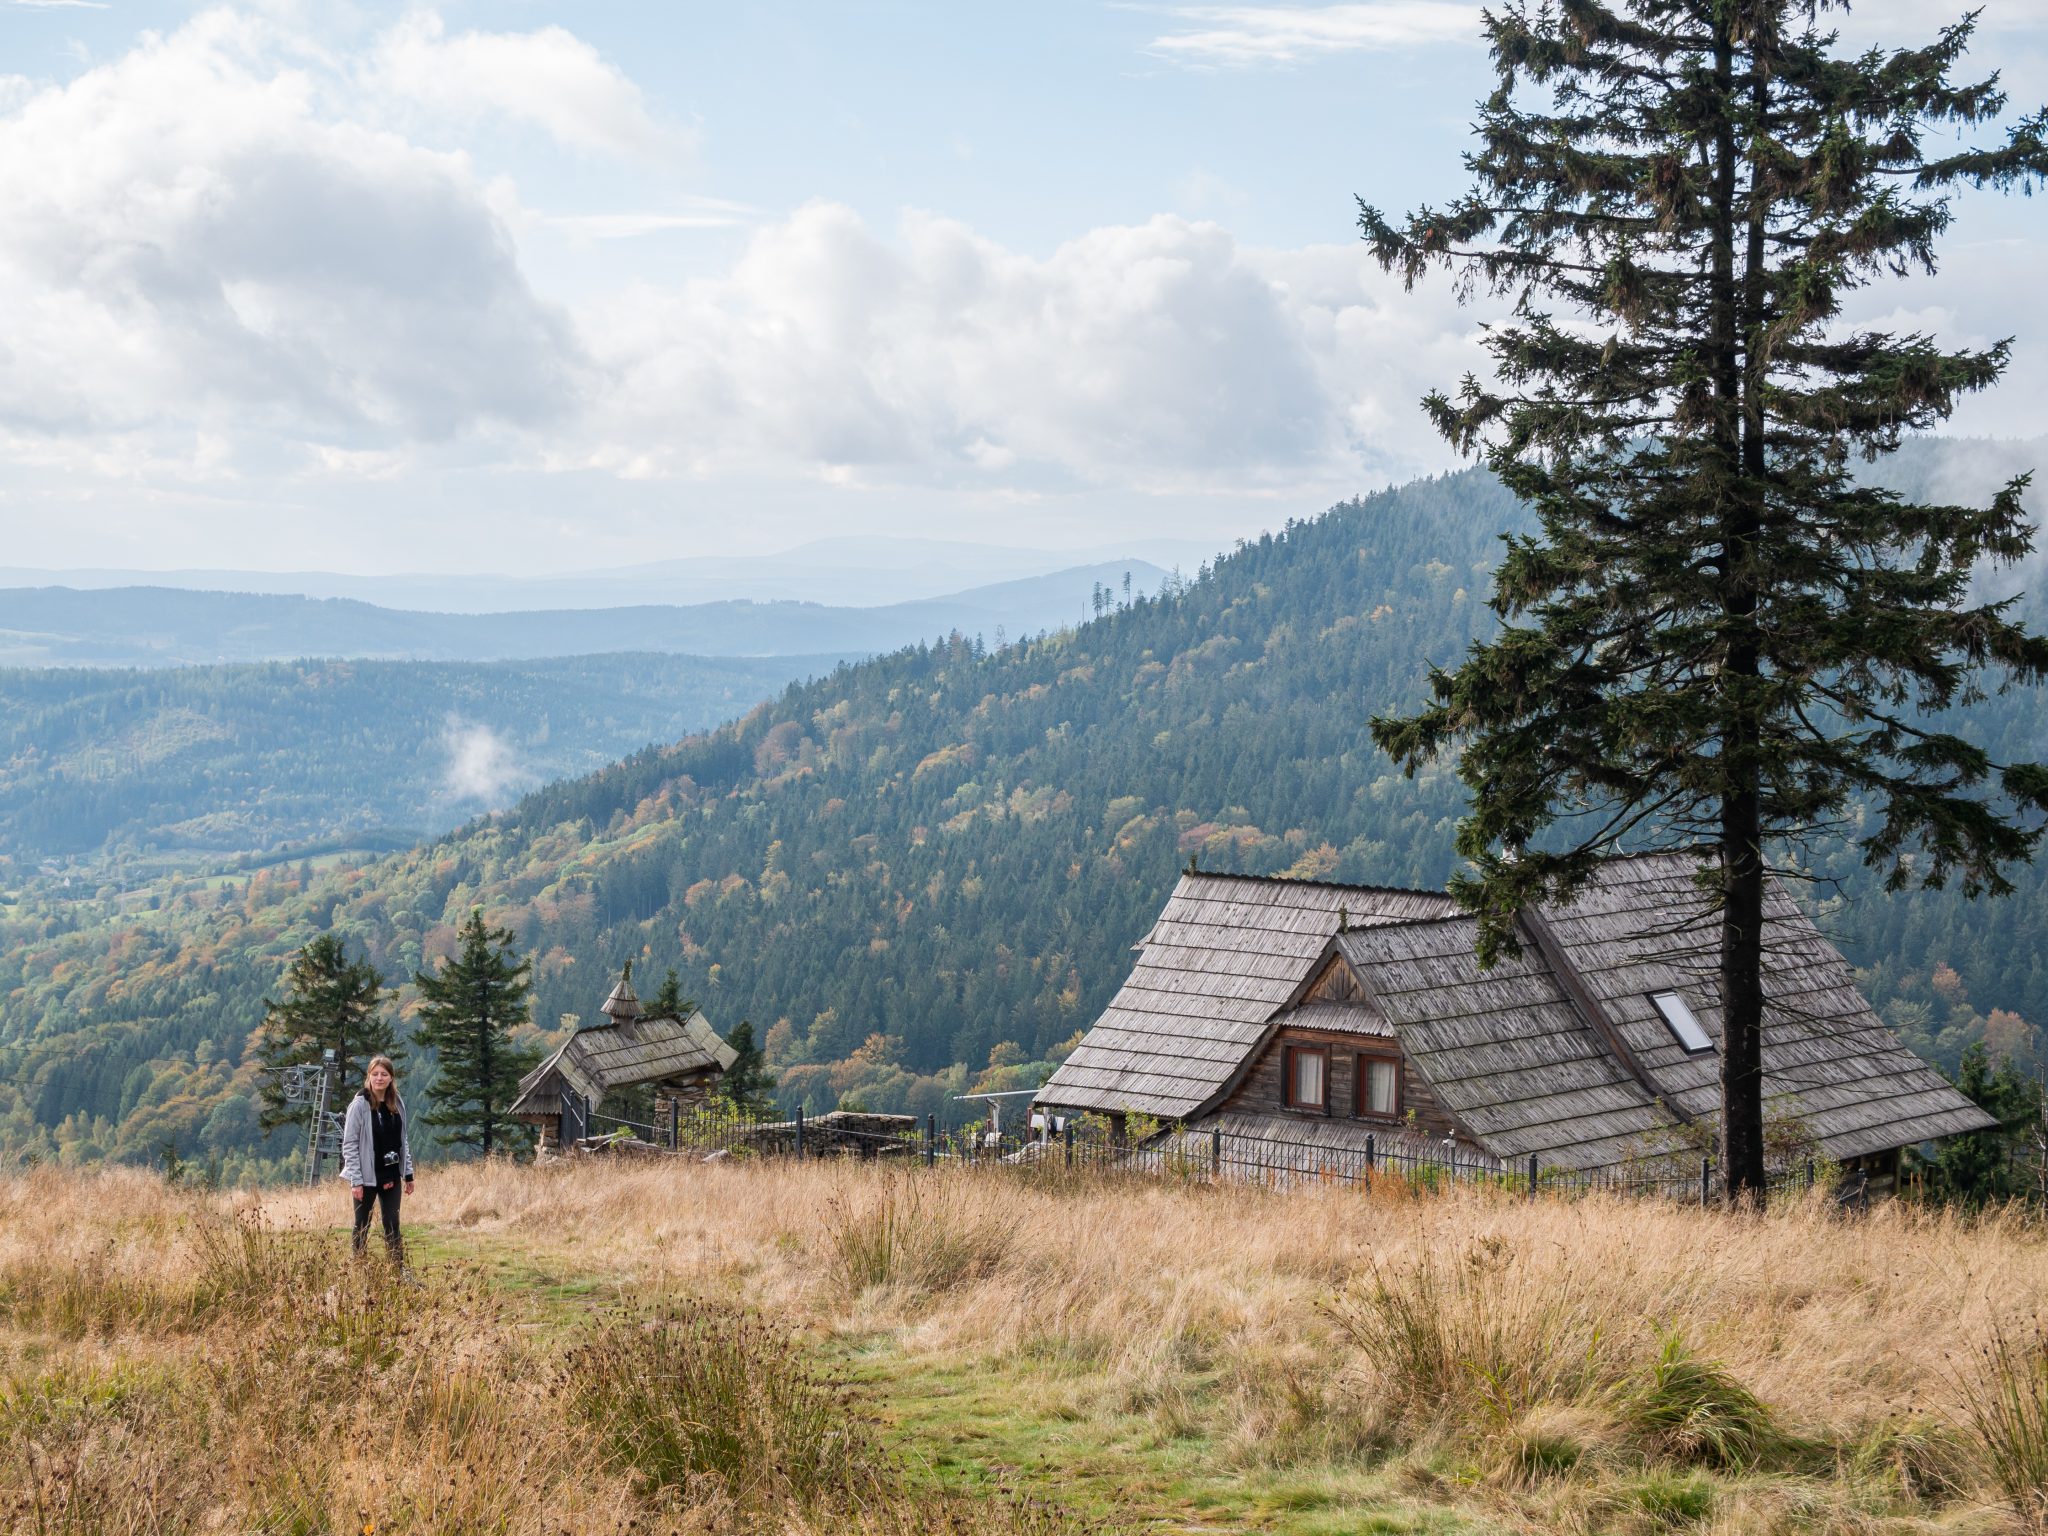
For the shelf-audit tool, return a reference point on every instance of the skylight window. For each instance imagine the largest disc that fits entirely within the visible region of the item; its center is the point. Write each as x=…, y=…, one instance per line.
x=1682, y=1023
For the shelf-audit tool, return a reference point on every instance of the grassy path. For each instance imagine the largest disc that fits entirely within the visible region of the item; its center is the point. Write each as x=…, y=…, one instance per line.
x=976, y=1425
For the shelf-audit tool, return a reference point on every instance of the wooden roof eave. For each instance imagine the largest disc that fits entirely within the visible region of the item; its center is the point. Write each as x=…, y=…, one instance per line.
x=1267, y=1035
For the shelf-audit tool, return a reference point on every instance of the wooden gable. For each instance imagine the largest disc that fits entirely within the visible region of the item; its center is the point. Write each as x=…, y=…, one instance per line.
x=1336, y=982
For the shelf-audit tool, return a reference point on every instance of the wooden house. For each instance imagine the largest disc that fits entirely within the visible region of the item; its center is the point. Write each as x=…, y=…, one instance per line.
x=681, y=1058
x=1298, y=1017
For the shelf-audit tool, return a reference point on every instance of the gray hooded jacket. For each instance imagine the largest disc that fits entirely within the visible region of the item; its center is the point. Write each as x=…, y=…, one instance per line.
x=359, y=1144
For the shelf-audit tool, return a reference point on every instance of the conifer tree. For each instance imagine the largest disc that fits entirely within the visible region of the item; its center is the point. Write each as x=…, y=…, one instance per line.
x=466, y=1015
x=747, y=1083
x=1719, y=639
x=669, y=1002
x=330, y=1003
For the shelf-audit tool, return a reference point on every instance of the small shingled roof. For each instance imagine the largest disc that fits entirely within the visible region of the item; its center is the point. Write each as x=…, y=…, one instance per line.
x=602, y=1058
x=1227, y=951
x=623, y=1003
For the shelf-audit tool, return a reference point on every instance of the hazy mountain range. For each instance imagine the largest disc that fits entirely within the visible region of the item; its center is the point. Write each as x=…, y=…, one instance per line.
x=852, y=572
x=157, y=626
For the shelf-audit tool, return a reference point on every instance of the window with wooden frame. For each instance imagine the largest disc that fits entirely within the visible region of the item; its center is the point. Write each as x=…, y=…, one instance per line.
x=1307, y=1070
x=1378, y=1088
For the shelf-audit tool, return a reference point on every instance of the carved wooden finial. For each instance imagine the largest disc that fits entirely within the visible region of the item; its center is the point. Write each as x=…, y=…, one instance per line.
x=1343, y=919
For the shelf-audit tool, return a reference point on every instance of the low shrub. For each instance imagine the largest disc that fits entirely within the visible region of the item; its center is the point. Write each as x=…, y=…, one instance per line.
x=923, y=1232
x=1480, y=1337
x=2004, y=1419
x=707, y=1391
x=1692, y=1409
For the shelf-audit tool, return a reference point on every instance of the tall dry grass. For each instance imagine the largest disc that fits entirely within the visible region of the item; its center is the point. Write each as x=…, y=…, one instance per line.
x=171, y=1363
x=1585, y=1365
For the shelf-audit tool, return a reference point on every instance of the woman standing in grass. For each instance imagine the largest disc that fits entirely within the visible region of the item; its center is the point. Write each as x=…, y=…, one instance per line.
x=375, y=1156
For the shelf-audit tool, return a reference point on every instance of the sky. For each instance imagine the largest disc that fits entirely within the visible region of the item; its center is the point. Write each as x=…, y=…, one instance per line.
x=527, y=288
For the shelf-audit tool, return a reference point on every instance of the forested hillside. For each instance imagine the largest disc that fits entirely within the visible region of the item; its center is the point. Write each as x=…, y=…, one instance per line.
x=136, y=770
x=924, y=871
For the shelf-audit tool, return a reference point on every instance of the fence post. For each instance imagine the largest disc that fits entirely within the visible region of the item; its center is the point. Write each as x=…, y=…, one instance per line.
x=675, y=1123
x=1371, y=1150
x=799, y=1130
x=931, y=1140
x=1706, y=1182
x=1809, y=1173
x=1067, y=1136
x=1216, y=1152
x=1532, y=1175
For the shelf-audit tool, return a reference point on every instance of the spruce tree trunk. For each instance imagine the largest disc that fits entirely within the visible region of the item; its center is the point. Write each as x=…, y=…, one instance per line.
x=1742, y=1000
x=1739, y=464
x=484, y=1054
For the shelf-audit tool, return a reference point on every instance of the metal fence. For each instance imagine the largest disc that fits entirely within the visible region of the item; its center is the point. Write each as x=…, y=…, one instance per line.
x=1201, y=1154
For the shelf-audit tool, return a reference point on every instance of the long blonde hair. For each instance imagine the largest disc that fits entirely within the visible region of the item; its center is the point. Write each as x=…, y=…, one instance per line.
x=390, y=1096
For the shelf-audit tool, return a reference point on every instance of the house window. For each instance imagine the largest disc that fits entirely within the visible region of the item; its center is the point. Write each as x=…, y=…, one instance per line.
x=1308, y=1077
x=1678, y=1017
x=1379, y=1086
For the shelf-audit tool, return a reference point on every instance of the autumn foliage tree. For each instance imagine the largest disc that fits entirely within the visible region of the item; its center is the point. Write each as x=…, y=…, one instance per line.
x=1719, y=637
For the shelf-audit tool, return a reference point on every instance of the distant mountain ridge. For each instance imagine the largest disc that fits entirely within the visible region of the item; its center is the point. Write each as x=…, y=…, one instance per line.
x=853, y=571
x=168, y=626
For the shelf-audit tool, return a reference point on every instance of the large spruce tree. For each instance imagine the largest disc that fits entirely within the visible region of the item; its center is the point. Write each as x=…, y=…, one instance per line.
x=330, y=1003
x=1719, y=639
x=466, y=1014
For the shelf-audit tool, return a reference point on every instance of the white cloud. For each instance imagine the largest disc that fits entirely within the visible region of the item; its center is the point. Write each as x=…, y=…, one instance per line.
x=482, y=765
x=191, y=244
x=1161, y=355
x=703, y=213
x=550, y=78
x=1239, y=36
x=236, y=285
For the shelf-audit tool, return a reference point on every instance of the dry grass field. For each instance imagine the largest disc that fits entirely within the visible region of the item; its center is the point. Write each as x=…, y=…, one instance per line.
x=834, y=1347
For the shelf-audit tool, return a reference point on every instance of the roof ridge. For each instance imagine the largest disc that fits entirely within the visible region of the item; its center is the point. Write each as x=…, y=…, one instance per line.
x=1335, y=885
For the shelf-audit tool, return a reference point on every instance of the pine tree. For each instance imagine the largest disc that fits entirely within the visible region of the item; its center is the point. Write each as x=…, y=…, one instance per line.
x=466, y=1014
x=747, y=1083
x=669, y=1002
x=330, y=1003
x=1718, y=639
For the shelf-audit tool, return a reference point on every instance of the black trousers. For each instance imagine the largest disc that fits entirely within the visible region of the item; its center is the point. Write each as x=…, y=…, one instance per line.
x=386, y=1201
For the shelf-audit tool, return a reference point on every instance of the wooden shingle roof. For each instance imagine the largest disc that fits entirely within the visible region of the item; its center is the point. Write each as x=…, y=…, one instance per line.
x=1227, y=951
x=1828, y=1058
x=1521, y=1067
x=1505, y=1051
x=636, y=1049
x=1559, y=1052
